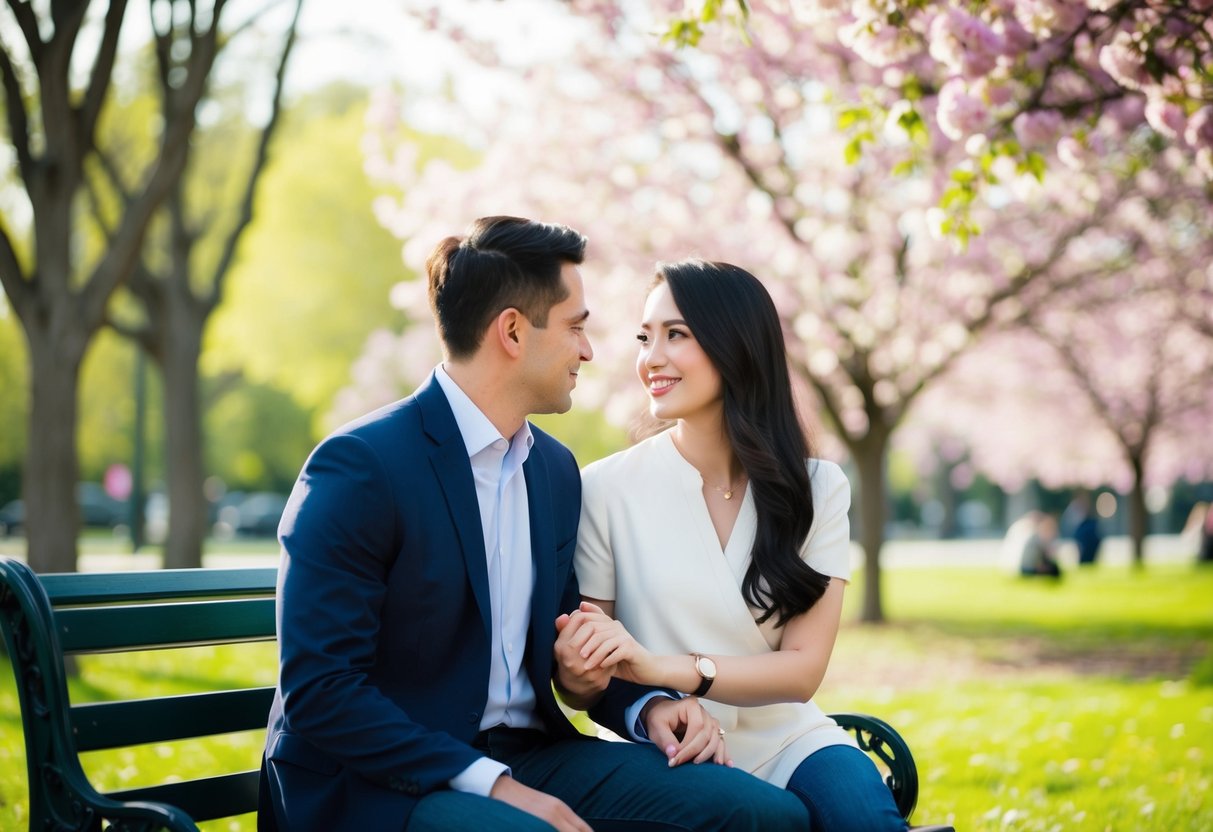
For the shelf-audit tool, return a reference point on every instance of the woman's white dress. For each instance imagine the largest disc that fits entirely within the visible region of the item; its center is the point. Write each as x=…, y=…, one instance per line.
x=647, y=543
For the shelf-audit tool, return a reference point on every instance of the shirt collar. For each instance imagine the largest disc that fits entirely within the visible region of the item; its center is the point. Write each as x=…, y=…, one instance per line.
x=477, y=431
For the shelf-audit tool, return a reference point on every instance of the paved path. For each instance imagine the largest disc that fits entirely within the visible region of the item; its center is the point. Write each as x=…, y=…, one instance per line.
x=897, y=554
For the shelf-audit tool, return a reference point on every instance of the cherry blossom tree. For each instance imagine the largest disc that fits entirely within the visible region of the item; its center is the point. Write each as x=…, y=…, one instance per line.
x=1022, y=74
x=1108, y=382
x=731, y=152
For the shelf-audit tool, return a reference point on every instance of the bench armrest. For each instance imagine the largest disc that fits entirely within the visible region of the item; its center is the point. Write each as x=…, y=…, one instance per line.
x=880, y=739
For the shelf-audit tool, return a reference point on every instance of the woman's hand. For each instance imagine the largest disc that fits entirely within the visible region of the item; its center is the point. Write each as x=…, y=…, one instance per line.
x=605, y=644
x=685, y=731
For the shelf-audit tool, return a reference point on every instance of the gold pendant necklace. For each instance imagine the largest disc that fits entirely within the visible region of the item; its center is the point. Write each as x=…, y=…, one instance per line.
x=728, y=494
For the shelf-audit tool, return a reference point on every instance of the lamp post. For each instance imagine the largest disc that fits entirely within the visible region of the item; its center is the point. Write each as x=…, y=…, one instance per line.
x=137, y=499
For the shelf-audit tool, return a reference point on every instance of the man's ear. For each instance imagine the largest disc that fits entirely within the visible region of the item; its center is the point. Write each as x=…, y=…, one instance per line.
x=508, y=329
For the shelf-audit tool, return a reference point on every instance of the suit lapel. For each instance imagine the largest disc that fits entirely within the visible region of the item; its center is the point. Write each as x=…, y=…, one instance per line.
x=454, y=472
x=543, y=556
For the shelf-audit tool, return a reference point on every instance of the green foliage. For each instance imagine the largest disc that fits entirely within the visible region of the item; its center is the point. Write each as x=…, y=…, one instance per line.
x=105, y=429
x=315, y=258
x=14, y=381
x=257, y=438
x=586, y=432
x=687, y=30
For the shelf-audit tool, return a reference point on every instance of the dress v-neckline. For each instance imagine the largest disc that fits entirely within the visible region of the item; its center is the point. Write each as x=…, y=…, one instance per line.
x=743, y=523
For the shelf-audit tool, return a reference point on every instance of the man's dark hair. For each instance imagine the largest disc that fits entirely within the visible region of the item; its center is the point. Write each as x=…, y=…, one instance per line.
x=502, y=263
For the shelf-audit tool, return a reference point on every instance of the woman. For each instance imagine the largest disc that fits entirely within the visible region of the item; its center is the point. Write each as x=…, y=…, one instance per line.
x=722, y=554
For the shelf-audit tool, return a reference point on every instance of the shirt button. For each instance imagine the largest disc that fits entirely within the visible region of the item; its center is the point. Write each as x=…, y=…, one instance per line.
x=509, y=648
x=473, y=717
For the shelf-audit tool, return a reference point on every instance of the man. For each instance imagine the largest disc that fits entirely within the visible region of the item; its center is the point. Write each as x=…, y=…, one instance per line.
x=427, y=553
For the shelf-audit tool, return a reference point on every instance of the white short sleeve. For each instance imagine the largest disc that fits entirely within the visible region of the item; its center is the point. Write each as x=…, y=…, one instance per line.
x=594, y=561
x=828, y=546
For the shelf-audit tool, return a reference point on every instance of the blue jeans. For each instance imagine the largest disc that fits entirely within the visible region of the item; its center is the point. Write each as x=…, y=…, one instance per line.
x=843, y=791
x=615, y=787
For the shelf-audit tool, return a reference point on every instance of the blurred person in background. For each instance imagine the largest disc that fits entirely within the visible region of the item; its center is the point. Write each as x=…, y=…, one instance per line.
x=1082, y=525
x=1039, y=554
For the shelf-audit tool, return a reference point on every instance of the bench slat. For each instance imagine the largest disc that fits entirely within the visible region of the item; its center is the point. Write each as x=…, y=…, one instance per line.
x=152, y=626
x=205, y=799
x=99, y=725
x=91, y=588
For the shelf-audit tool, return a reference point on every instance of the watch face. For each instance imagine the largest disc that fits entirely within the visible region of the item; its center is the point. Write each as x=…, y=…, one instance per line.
x=706, y=667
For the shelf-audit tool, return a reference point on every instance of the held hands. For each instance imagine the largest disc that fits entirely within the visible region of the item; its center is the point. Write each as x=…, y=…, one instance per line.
x=598, y=644
x=685, y=731
x=581, y=685
x=591, y=647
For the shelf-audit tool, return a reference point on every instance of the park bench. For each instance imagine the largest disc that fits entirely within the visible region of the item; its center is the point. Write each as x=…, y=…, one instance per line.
x=46, y=618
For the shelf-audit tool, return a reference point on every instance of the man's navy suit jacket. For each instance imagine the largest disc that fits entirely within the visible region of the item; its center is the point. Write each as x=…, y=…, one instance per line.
x=384, y=620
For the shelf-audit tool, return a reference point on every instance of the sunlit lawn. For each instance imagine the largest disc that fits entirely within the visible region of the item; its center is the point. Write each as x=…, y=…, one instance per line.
x=1083, y=706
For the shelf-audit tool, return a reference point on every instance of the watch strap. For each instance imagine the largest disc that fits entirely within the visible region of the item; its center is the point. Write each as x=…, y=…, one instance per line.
x=705, y=682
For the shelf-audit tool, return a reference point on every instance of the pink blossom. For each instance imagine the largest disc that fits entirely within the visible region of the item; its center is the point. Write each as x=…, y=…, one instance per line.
x=1204, y=161
x=960, y=113
x=1124, y=62
x=999, y=95
x=1200, y=128
x=877, y=43
x=1127, y=113
x=1016, y=40
x=1046, y=18
x=1072, y=153
x=964, y=44
x=1166, y=117
x=1037, y=127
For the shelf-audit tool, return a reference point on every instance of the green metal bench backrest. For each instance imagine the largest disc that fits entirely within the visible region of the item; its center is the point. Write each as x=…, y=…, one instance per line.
x=119, y=612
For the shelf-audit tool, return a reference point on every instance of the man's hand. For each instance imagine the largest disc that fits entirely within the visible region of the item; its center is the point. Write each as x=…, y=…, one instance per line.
x=605, y=643
x=685, y=731
x=537, y=803
x=580, y=687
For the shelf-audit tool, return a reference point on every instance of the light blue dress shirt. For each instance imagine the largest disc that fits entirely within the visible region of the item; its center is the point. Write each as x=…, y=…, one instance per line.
x=505, y=519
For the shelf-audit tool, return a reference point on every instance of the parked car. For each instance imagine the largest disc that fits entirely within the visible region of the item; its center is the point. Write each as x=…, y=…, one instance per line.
x=97, y=510
x=12, y=518
x=258, y=514
x=100, y=510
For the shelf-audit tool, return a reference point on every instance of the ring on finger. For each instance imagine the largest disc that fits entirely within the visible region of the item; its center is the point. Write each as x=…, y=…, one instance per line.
x=720, y=731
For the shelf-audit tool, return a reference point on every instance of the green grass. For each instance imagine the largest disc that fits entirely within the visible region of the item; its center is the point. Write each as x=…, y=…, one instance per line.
x=1082, y=706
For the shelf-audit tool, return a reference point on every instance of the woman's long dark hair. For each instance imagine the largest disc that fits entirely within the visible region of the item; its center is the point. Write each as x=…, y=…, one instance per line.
x=733, y=318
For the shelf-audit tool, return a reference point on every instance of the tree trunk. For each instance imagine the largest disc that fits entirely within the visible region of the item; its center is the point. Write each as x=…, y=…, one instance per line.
x=869, y=458
x=179, y=352
x=1138, y=516
x=52, y=516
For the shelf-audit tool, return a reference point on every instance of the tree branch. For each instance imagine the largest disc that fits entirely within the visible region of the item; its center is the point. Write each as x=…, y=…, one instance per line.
x=103, y=71
x=179, y=124
x=111, y=173
x=12, y=279
x=262, y=155
x=98, y=211
x=28, y=21
x=18, y=118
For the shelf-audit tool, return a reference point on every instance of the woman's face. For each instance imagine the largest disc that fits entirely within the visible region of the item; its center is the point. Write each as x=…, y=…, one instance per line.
x=680, y=378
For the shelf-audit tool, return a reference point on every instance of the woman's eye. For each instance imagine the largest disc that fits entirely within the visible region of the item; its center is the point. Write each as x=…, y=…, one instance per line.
x=642, y=338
